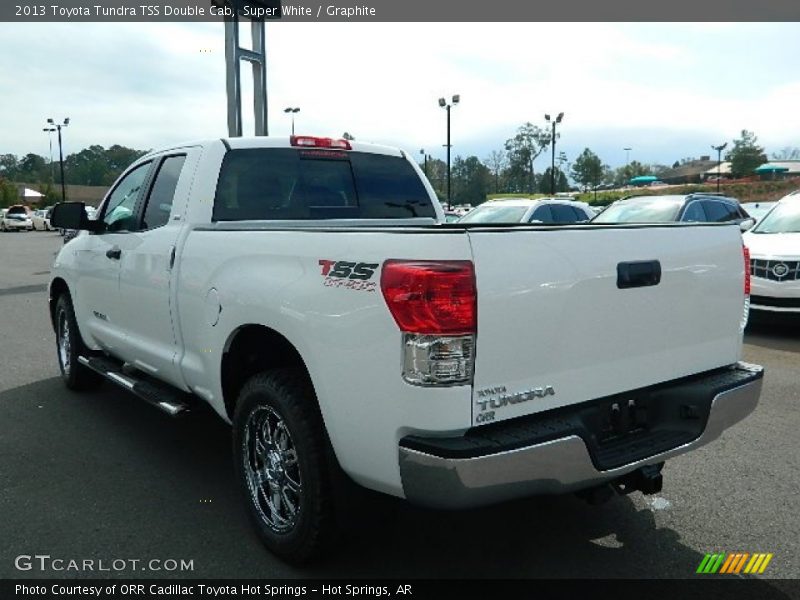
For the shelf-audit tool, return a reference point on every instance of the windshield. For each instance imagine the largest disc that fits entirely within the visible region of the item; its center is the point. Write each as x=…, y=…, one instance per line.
x=495, y=214
x=784, y=218
x=640, y=210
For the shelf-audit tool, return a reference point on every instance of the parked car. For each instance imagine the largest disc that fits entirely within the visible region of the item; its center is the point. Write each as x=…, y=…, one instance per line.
x=691, y=208
x=304, y=289
x=525, y=210
x=17, y=218
x=774, y=245
x=41, y=220
x=757, y=210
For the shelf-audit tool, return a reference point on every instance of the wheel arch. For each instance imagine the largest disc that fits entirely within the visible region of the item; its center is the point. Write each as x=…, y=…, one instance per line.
x=57, y=287
x=251, y=349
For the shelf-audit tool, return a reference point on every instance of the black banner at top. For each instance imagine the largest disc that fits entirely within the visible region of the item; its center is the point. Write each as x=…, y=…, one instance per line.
x=399, y=11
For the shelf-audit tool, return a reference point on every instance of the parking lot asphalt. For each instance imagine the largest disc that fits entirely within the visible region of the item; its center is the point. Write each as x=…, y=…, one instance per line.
x=103, y=476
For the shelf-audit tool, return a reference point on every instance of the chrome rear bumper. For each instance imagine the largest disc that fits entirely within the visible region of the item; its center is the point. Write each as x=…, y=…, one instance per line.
x=553, y=467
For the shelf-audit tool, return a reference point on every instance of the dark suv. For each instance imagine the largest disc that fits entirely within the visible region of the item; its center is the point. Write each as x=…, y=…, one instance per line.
x=699, y=208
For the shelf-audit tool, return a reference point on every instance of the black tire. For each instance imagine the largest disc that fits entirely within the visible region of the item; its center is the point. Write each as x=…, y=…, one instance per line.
x=69, y=346
x=276, y=465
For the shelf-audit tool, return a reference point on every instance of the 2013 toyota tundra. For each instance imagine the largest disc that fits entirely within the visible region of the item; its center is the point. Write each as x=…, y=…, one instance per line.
x=309, y=291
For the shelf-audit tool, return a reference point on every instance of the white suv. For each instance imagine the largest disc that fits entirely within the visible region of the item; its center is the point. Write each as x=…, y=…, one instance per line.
x=774, y=246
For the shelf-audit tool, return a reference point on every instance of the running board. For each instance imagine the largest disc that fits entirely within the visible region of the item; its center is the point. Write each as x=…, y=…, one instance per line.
x=160, y=395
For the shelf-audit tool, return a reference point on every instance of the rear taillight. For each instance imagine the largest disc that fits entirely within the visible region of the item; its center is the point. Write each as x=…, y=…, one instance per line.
x=746, y=313
x=434, y=303
x=308, y=141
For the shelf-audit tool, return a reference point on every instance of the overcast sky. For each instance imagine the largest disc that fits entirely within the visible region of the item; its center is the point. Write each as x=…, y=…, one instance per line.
x=666, y=90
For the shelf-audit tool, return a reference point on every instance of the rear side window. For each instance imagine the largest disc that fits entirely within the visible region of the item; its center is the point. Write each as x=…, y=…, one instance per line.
x=563, y=213
x=719, y=212
x=285, y=183
x=159, y=204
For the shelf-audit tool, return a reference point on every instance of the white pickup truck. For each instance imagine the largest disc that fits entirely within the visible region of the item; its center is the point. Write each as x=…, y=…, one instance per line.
x=309, y=291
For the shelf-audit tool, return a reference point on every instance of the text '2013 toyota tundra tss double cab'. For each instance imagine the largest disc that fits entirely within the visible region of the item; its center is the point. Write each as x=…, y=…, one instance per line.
x=308, y=290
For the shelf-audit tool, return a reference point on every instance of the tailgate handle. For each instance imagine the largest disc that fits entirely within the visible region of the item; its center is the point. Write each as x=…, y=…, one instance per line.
x=638, y=274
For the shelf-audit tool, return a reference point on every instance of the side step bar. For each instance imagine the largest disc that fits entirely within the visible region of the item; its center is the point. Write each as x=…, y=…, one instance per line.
x=160, y=395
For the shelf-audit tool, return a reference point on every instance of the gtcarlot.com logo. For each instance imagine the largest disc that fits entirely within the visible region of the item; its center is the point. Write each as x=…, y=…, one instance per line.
x=734, y=563
x=45, y=562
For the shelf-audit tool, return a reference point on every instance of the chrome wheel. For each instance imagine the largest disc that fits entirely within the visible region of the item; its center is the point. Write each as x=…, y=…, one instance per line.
x=64, y=346
x=271, y=469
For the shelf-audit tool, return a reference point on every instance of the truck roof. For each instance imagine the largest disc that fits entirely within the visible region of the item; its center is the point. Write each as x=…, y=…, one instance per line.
x=276, y=142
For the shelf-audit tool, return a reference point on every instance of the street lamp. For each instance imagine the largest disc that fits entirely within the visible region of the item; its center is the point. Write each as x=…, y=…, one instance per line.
x=553, y=161
x=719, y=150
x=293, y=111
x=50, y=131
x=425, y=161
x=443, y=103
x=58, y=127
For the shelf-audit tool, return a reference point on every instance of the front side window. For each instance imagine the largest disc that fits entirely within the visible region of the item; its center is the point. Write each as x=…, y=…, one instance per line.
x=119, y=212
x=694, y=213
x=543, y=214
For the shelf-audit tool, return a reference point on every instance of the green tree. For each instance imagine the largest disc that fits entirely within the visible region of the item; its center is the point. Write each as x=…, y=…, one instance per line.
x=624, y=174
x=497, y=161
x=746, y=155
x=32, y=168
x=588, y=170
x=562, y=184
x=8, y=193
x=524, y=148
x=471, y=181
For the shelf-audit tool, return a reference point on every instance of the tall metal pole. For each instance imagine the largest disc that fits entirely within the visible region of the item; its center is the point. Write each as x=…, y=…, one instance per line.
x=449, y=206
x=719, y=150
x=553, y=164
x=61, y=162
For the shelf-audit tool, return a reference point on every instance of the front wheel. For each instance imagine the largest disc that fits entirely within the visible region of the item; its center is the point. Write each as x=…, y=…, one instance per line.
x=280, y=460
x=69, y=346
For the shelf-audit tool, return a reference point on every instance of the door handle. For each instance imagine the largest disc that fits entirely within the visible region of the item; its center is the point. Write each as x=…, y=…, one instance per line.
x=114, y=253
x=638, y=274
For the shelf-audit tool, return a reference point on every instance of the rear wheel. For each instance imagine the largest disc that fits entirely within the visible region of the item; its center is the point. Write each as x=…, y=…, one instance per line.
x=280, y=458
x=69, y=346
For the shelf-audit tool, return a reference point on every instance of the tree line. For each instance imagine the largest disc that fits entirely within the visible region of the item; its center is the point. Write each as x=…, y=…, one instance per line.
x=508, y=170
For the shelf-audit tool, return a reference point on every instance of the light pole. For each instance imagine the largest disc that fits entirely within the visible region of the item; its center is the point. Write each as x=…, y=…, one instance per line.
x=292, y=111
x=424, y=161
x=553, y=161
x=719, y=150
x=50, y=131
x=444, y=104
x=58, y=127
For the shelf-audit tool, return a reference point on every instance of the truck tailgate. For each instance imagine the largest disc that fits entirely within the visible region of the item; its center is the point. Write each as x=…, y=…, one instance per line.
x=564, y=317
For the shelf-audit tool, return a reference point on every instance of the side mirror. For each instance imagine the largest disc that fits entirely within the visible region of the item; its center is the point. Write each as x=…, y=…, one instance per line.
x=747, y=224
x=72, y=215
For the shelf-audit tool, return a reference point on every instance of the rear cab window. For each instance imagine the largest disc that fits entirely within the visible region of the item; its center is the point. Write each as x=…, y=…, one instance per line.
x=297, y=184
